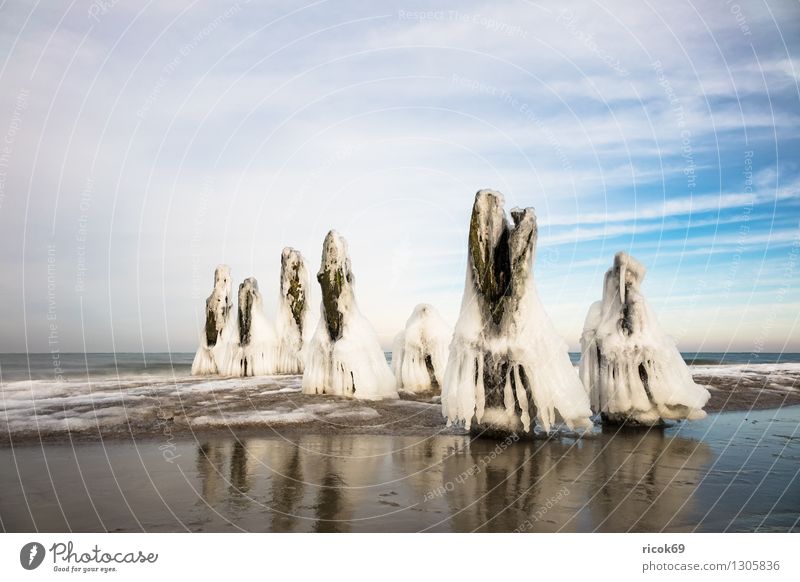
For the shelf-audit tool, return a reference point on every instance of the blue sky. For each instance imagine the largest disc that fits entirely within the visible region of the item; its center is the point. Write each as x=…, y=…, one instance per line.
x=145, y=143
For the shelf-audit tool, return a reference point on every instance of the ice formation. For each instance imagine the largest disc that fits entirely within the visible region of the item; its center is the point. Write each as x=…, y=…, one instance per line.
x=344, y=357
x=631, y=369
x=249, y=345
x=507, y=365
x=419, y=354
x=217, y=343
x=257, y=350
x=292, y=312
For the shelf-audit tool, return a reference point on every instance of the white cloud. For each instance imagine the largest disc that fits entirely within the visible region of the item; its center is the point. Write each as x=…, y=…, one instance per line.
x=345, y=115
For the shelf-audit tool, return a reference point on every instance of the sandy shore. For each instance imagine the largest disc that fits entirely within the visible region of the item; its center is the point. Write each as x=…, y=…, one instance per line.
x=186, y=408
x=733, y=471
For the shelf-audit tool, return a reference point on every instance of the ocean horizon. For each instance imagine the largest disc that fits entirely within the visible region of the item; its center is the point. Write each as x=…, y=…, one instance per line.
x=73, y=366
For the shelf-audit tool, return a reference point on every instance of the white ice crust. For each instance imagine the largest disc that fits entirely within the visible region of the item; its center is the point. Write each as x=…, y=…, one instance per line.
x=419, y=354
x=537, y=356
x=631, y=369
x=352, y=363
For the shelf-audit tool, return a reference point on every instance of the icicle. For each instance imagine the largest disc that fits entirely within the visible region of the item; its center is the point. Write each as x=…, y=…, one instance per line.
x=508, y=395
x=522, y=398
x=480, y=394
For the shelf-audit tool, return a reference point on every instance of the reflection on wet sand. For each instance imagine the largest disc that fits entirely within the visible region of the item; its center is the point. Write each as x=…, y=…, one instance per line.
x=730, y=472
x=653, y=484
x=239, y=478
x=286, y=491
x=609, y=482
x=210, y=459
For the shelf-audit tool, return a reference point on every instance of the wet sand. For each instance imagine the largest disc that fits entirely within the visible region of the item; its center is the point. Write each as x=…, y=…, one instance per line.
x=729, y=472
x=254, y=454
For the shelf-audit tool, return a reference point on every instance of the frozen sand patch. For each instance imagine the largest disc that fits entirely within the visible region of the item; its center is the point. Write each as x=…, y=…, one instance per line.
x=357, y=414
x=263, y=417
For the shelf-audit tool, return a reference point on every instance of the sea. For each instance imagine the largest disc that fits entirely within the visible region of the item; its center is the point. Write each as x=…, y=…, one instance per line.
x=16, y=367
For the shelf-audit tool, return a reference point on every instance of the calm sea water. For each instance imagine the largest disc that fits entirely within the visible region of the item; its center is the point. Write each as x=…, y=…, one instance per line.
x=74, y=367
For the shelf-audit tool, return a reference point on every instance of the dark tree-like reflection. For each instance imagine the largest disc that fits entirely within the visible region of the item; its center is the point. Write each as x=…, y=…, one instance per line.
x=609, y=482
x=209, y=463
x=612, y=481
x=704, y=476
x=239, y=480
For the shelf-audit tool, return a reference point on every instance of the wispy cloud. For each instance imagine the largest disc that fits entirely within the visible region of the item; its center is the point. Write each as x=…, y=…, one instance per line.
x=179, y=135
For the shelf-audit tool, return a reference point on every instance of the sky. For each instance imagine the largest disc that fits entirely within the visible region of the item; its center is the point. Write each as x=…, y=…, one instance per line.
x=142, y=144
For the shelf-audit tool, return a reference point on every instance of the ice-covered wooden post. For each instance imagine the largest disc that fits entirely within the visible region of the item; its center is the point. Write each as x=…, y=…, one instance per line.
x=292, y=312
x=631, y=369
x=344, y=357
x=219, y=332
x=257, y=344
x=419, y=354
x=507, y=365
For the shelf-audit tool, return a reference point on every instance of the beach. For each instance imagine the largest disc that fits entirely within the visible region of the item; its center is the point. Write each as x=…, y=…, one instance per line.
x=163, y=451
x=729, y=472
